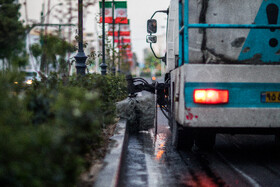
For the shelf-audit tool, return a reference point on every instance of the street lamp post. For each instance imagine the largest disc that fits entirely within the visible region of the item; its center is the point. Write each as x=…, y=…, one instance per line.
x=103, y=65
x=80, y=56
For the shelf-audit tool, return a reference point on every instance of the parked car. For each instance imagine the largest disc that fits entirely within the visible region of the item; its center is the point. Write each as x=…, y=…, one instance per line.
x=30, y=75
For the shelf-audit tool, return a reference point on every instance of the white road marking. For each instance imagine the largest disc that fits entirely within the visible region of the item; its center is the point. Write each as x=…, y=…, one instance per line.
x=247, y=177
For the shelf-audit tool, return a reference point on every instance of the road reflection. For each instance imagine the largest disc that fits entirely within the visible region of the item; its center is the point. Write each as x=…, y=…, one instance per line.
x=201, y=180
x=160, y=145
x=239, y=160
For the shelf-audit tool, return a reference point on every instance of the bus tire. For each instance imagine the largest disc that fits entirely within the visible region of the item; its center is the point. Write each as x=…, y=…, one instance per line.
x=182, y=139
x=205, y=140
x=277, y=140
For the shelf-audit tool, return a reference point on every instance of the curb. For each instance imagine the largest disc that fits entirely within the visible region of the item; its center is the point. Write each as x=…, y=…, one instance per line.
x=109, y=175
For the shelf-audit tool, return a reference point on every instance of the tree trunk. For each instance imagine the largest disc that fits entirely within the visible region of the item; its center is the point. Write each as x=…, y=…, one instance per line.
x=43, y=63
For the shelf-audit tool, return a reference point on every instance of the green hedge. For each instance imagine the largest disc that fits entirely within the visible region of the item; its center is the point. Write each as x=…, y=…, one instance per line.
x=48, y=129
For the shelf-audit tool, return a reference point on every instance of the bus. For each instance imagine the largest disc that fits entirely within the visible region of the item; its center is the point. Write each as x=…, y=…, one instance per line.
x=222, y=69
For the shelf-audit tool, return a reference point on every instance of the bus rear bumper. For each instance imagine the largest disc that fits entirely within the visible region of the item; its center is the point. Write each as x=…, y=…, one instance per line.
x=232, y=117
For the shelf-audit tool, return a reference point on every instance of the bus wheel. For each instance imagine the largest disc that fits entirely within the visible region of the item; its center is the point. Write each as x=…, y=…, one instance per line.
x=277, y=140
x=205, y=140
x=182, y=139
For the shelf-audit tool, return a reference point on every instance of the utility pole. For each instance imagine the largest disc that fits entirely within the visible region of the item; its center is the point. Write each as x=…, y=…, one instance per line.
x=70, y=21
x=113, y=15
x=48, y=16
x=80, y=57
x=119, y=40
x=27, y=36
x=103, y=65
x=42, y=38
x=69, y=34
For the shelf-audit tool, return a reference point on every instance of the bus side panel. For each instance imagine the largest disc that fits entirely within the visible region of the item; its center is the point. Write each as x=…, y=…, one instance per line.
x=175, y=89
x=239, y=46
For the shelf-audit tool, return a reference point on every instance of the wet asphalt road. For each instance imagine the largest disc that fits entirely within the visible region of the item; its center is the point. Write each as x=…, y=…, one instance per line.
x=240, y=160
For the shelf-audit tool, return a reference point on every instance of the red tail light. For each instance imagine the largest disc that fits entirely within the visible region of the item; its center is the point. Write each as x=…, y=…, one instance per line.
x=210, y=96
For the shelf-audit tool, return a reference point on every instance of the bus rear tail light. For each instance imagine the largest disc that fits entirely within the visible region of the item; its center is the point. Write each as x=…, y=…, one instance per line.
x=211, y=96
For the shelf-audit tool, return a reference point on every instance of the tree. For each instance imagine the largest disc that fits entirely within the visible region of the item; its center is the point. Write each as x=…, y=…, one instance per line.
x=54, y=50
x=151, y=62
x=36, y=51
x=12, y=34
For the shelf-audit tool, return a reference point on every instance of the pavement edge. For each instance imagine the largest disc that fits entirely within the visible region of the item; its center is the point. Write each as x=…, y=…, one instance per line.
x=109, y=175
